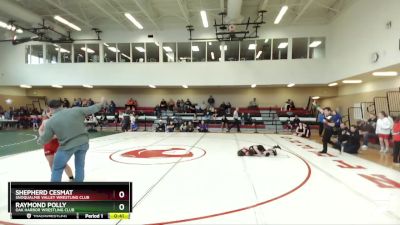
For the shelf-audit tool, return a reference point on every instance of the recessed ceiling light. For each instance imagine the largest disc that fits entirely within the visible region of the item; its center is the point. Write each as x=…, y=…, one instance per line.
x=203, y=15
x=281, y=14
x=253, y=85
x=315, y=97
x=87, y=86
x=291, y=85
x=332, y=84
x=134, y=21
x=152, y=86
x=66, y=22
x=315, y=44
x=352, y=81
x=209, y=43
x=185, y=86
x=385, y=74
x=283, y=45
x=56, y=86
x=25, y=86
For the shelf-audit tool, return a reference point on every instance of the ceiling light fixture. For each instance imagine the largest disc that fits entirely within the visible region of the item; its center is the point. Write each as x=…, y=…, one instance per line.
x=352, y=81
x=113, y=49
x=315, y=97
x=56, y=86
x=185, y=86
x=195, y=48
x=258, y=54
x=140, y=49
x=253, y=85
x=204, y=18
x=87, y=86
x=88, y=50
x=134, y=21
x=152, y=86
x=25, y=86
x=385, y=73
x=252, y=46
x=281, y=14
x=167, y=49
x=66, y=22
x=315, y=44
x=332, y=84
x=291, y=85
x=212, y=56
x=283, y=45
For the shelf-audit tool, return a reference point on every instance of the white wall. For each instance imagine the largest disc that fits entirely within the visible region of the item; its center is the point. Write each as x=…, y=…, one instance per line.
x=358, y=32
x=16, y=72
x=351, y=39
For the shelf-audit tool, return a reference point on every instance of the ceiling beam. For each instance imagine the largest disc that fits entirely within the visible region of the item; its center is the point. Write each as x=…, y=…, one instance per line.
x=184, y=11
x=222, y=5
x=69, y=13
x=148, y=11
x=263, y=5
x=303, y=10
x=95, y=3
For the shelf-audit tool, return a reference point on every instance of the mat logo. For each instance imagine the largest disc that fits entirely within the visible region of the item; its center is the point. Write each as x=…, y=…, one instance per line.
x=160, y=154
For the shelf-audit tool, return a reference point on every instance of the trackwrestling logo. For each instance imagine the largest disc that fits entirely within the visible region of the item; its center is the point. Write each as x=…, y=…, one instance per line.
x=158, y=154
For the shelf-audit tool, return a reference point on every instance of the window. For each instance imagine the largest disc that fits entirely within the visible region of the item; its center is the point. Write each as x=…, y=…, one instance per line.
x=280, y=47
x=317, y=48
x=184, y=52
x=110, y=50
x=51, y=53
x=34, y=54
x=213, y=51
x=138, y=52
x=27, y=54
x=79, y=53
x=231, y=50
x=124, y=52
x=263, y=51
x=152, y=52
x=65, y=52
x=93, y=53
x=299, y=48
x=247, y=50
x=198, y=51
x=169, y=52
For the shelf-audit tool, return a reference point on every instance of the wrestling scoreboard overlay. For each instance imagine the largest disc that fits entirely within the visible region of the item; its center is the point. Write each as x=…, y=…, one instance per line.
x=88, y=200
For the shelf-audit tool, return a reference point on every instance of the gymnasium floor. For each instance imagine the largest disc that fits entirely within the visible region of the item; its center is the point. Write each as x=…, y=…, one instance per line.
x=211, y=185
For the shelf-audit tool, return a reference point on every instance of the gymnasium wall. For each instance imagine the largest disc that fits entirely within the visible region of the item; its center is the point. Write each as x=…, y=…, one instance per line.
x=348, y=95
x=359, y=31
x=266, y=96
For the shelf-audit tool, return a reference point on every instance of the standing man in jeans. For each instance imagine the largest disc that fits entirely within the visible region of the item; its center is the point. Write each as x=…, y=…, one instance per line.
x=68, y=125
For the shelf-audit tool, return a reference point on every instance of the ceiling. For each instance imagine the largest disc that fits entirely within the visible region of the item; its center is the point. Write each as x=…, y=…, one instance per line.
x=173, y=14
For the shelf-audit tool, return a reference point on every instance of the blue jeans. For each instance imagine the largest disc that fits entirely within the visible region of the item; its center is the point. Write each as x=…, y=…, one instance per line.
x=367, y=136
x=61, y=159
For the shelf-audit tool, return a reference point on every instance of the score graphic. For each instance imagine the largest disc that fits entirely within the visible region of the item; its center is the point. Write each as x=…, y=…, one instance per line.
x=89, y=200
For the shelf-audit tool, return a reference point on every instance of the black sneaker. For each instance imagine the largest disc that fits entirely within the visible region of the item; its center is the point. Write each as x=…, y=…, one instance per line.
x=274, y=152
x=322, y=152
